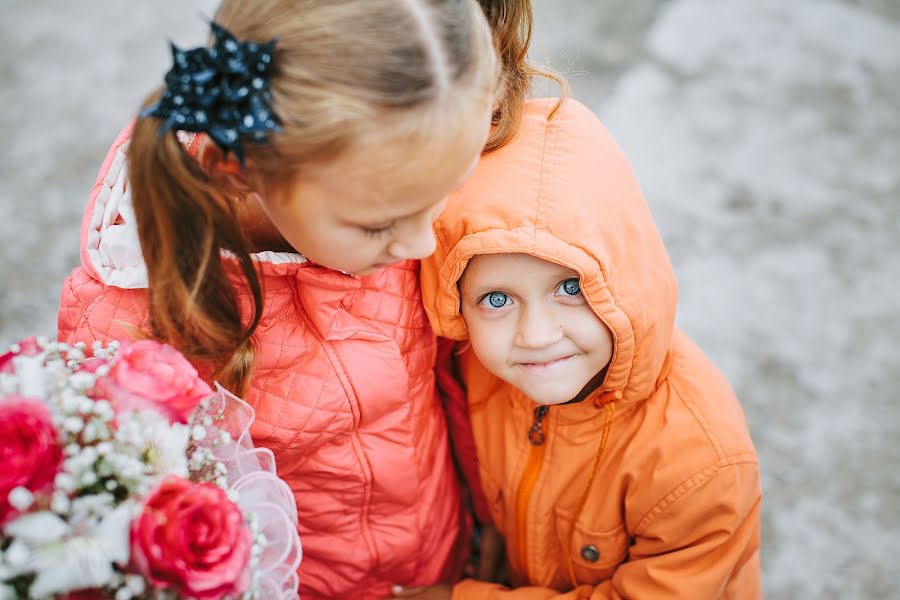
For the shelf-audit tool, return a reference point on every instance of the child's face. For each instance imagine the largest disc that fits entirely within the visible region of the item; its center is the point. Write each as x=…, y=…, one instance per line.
x=375, y=205
x=530, y=326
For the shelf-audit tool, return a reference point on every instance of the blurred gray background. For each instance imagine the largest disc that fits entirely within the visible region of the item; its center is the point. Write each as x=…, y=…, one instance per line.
x=766, y=134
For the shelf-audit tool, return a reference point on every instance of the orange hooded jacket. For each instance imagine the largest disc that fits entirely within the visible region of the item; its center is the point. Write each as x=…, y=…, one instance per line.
x=650, y=487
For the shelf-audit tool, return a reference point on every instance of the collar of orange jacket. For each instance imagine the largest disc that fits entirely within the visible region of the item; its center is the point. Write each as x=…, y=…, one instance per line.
x=563, y=191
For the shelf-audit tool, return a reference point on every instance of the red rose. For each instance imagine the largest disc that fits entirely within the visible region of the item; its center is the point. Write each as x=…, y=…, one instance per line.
x=30, y=453
x=148, y=374
x=191, y=538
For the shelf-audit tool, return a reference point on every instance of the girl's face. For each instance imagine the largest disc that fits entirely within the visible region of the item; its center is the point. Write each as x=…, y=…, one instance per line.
x=530, y=325
x=375, y=205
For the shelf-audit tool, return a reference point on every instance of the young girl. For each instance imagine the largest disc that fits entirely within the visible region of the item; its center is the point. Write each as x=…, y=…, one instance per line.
x=275, y=248
x=614, y=457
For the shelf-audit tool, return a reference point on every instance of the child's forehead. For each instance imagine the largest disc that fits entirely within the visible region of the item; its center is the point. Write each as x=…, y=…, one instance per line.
x=513, y=268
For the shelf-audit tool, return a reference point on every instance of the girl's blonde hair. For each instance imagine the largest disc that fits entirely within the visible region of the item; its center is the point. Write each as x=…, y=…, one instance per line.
x=512, y=22
x=342, y=70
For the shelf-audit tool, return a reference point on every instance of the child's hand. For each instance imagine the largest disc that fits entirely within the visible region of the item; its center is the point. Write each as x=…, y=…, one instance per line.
x=431, y=592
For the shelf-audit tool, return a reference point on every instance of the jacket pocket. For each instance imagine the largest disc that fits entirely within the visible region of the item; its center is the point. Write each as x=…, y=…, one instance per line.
x=594, y=554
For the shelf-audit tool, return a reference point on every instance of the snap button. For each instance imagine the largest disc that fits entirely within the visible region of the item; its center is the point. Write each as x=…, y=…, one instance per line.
x=590, y=553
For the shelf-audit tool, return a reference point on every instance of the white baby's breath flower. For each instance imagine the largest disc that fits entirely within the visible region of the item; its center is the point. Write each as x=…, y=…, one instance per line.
x=94, y=431
x=70, y=400
x=32, y=377
x=60, y=503
x=89, y=454
x=124, y=594
x=136, y=584
x=17, y=555
x=64, y=482
x=103, y=409
x=198, y=433
x=73, y=424
x=82, y=381
x=20, y=498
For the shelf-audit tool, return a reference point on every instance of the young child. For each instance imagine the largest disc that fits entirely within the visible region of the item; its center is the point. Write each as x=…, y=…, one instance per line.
x=275, y=247
x=615, y=458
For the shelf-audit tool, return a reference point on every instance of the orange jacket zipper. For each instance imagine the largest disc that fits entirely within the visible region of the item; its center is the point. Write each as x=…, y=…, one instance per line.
x=530, y=474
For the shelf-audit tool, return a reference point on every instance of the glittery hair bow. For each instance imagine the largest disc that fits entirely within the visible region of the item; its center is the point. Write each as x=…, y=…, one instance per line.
x=222, y=91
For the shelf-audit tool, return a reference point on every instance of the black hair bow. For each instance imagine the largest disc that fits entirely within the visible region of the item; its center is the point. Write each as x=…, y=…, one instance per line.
x=222, y=91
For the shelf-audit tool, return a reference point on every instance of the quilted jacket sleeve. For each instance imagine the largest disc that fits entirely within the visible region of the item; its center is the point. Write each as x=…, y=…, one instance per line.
x=91, y=311
x=700, y=542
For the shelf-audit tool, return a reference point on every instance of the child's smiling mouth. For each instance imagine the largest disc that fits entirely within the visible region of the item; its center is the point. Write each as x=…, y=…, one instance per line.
x=542, y=366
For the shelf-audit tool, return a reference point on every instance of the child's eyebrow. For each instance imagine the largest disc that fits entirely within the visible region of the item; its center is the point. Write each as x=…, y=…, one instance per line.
x=476, y=291
x=567, y=273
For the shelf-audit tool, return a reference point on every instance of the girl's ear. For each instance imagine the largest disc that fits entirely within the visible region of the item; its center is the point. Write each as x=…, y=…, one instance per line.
x=224, y=170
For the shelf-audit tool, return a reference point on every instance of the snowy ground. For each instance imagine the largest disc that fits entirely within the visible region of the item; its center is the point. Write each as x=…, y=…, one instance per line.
x=767, y=136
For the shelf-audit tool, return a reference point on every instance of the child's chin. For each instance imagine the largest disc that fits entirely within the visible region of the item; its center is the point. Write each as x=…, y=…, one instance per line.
x=549, y=398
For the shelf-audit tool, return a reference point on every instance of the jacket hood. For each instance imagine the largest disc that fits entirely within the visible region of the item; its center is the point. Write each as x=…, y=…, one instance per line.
x=563, y=191
x=110, y=248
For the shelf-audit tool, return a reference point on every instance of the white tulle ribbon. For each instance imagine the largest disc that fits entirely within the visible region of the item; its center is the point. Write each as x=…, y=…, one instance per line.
x=257, y=490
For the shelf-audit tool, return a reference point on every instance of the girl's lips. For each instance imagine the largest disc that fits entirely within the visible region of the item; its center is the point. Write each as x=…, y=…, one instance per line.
x=541, y=366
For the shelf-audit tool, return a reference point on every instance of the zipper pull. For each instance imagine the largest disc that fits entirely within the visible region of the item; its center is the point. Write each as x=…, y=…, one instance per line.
x=535, y=435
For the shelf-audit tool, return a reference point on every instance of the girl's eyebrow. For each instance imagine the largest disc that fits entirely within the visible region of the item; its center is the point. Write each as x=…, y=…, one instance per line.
x=478, y=290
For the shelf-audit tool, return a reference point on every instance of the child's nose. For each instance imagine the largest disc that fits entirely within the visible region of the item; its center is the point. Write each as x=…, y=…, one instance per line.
x=537, y=328
x=415, y=242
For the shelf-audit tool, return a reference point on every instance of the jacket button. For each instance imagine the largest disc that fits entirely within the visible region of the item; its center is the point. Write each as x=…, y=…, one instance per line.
x=590, y=553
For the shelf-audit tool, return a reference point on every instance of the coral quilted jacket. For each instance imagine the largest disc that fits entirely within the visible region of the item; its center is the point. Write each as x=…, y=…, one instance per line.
x=343, y=390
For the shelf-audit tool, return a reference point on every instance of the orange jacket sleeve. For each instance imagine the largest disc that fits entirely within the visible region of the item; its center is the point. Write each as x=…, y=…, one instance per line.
x=697, y=543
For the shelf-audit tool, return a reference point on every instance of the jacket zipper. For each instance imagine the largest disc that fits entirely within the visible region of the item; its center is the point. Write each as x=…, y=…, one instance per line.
x=536, y=438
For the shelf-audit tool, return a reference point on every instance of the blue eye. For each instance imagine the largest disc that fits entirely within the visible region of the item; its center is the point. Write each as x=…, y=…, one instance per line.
x=569, y=287
x=495, y=300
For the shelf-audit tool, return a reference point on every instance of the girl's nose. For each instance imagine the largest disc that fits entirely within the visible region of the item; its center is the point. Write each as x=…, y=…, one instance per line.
x=537, y=328
x=415, y=241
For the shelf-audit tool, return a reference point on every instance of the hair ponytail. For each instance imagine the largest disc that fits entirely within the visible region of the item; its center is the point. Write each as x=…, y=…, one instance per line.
x=184, y=223
x=512, y=22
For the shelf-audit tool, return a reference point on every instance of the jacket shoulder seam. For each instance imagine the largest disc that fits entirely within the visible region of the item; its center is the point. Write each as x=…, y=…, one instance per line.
x=691, y=483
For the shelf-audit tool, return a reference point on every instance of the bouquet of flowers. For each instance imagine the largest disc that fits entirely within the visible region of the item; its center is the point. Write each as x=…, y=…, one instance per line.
x=124, y=476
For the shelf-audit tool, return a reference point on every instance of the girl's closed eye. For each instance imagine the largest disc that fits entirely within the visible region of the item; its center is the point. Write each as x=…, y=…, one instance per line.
x=494, y=300
x=379, y=231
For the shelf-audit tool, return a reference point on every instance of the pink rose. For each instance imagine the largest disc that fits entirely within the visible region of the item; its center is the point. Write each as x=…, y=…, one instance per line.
x=191, y=538
x=148, y=374
x=27, y=347
x=30, y=453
